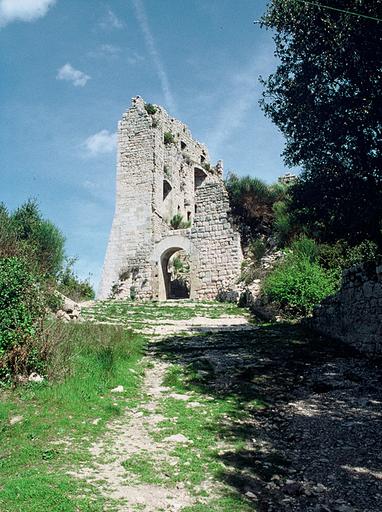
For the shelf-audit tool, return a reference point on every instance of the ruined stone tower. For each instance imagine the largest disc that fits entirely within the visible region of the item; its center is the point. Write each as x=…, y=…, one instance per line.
x=161, y=172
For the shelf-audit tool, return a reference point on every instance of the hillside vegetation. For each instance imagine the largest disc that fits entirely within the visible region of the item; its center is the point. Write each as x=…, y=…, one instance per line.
x=33, y=265
x=311, y=267
x=325, y=99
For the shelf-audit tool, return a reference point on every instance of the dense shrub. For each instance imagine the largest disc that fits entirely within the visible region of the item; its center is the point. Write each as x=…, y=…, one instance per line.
x=298, y=284
x=31, y=270
x=22, y=305
x=49, y=247
x=340, y=255
x=285, y=225
x=252, y=203
x=168, y=138
x=177, y=222
x=305, y=247
x=27, y=235
x=150, y=108
x=311, y=271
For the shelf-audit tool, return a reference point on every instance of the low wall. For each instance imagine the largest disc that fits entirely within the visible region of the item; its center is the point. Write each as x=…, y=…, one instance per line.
x=354, y=313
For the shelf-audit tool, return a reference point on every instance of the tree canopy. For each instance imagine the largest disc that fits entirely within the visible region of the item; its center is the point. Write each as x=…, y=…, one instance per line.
x=25, y=233
x=325, y=96
x=252, y=203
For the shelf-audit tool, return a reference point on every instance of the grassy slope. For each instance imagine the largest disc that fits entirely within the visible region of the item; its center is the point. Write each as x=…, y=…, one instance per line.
x=35, y=453
x=34, y=457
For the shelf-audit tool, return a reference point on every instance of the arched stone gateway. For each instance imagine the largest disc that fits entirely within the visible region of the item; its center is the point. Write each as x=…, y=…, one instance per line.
x=168, y=198
x=163, y=251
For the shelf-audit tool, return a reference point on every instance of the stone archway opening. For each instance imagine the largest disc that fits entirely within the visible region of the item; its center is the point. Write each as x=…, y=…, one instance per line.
x=175, y=264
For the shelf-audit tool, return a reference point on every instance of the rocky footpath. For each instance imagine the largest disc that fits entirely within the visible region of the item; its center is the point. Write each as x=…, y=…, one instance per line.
x=311, y=442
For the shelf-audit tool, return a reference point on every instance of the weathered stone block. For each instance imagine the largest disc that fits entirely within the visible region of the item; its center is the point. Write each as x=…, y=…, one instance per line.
x=354, y=314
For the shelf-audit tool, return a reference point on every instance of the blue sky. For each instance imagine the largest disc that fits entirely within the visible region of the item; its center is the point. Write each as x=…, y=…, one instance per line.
x=69, y=69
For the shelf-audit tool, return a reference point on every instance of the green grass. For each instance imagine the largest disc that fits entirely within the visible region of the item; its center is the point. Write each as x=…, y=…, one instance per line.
x=204, y=427
x=130, y=312
x=62, y=418
x=68, y=412
x=230, y=503
x=145, y=468
x=175, y=377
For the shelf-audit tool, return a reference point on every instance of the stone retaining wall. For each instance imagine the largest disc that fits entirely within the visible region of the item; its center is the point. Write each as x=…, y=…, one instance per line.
x=354, y=314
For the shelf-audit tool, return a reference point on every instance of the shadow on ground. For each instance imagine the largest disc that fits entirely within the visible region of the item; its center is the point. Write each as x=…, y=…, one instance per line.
x=308, y=409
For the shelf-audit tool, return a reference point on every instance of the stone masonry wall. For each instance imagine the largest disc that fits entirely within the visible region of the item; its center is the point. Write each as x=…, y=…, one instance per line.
x=354, y=314
x=217, y=242
x=155, y=181
x=130, y=242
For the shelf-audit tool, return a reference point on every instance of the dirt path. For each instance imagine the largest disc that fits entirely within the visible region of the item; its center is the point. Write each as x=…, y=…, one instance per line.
x=316, y=444
x=128, y=437
x=120, y=458
x=264, y=418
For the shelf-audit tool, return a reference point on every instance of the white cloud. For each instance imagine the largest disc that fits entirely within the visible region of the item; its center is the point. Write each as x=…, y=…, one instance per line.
x=110, y=20
x=70, y=74
x=100, y=143
x=110, y=50
x=134, y=58
x=23, y=10
x=153, y=51
x=107, y=51
x=234, y=110
x=240, y=98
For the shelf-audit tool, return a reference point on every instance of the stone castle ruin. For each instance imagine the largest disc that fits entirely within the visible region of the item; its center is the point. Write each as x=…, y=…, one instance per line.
x=172, y=235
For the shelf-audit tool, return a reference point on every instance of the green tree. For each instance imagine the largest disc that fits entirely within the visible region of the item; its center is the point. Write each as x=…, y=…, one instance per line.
x=50, y=250
x=325, y=96
x=252, y=203
x=26, y=234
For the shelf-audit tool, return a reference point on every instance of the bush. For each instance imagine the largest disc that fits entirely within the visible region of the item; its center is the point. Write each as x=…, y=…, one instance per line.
x=305, y=247
x=71, y=286
x=22, y=305
x=168, y=138
x=298, y=284
x=25, y=234
x=283, y=223
x=177, y=222
x=252, y=201
x=150, y=108
x=340, y=255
